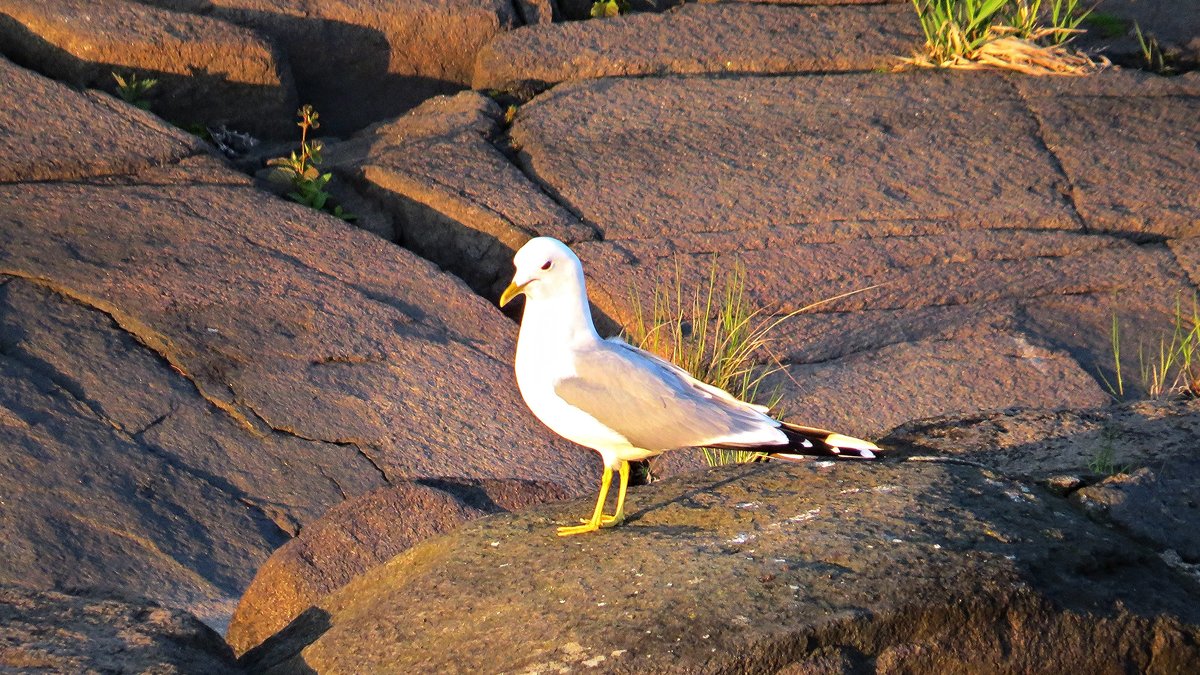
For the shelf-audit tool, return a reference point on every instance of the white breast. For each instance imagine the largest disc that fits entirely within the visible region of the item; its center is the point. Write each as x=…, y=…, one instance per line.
x=539, y=365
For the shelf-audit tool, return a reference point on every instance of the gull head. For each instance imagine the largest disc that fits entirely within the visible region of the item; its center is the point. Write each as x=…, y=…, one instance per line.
x=546, y=268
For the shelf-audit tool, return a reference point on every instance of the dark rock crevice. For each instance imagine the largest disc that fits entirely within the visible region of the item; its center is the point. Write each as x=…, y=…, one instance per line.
x=358, y=445
x=1068, y=191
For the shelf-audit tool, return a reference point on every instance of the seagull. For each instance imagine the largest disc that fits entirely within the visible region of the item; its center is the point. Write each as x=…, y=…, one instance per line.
x=625, y=403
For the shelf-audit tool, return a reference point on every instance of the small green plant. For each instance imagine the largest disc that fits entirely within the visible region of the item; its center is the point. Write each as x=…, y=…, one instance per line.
x=1152, y=54
x=1171, y=370
x=1117, y=389
x=1106, y=25
x=607, y=8
x=1065, y=19
x=133, y=90
x=302, y=169
x=1103, y=460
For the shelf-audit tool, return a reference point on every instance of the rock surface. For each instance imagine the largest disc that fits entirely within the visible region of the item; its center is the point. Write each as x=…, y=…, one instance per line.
x=848, y=181
x=1035, y=444
x=53, y=632
x=361, y=534
x=1157, y=504
x=208, y=71
x=879, y=566
x=194, y=369
x=719, y=38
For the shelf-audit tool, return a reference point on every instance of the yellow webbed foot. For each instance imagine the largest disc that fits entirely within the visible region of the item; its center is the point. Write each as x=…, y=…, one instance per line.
x=611, y=521
x=588, y=526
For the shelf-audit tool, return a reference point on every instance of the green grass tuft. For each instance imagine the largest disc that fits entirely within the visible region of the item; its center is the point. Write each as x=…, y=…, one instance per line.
x=1024, y=35
x=1106, y=25
x=715, y=336
x=1153, y=58
x=1171, y=369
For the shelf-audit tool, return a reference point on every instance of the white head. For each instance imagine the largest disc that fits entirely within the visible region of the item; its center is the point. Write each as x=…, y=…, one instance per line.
x=546, y=268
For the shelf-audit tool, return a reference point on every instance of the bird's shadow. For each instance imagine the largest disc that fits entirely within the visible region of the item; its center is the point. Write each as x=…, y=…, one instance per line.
x=742, y=472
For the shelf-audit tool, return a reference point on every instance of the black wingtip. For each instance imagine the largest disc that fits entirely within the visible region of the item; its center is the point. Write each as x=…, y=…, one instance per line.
x=813, y=442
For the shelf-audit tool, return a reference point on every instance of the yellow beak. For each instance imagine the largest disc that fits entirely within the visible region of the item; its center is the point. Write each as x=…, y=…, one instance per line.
x=511, y=292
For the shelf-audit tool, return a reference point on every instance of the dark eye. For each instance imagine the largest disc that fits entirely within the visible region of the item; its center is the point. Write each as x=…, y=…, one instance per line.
x=548, y=265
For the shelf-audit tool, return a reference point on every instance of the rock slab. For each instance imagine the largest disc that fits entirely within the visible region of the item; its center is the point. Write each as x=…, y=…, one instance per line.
x=191, y=369
x=715, y=39
x=887, y=566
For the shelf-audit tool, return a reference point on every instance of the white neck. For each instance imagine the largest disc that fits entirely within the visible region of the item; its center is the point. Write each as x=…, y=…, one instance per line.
x=559, y=319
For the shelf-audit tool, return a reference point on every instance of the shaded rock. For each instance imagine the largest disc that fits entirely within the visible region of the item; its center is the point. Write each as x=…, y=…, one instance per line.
x=53, y=632
x=208, y=71
x=1039, y=444
x=454, y=197
x=702, y=38
x=1149, y=445
x=361, y=534
x=1173, y=24
x=192, y=369
x=534, y=12
x=360, y=61
x=49, y=132
x=1157, y=504
x=887, y=566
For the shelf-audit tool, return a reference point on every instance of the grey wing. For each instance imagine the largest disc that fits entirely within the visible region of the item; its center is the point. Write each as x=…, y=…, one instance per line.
x=716, y=391
x=653, y=406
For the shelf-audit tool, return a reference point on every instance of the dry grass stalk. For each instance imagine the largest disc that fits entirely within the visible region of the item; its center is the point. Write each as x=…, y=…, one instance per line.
x=1012, y=53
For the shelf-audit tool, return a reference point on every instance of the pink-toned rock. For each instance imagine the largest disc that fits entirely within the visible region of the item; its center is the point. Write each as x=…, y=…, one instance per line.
x=205, y=368
x=361, y=534
x=454, y=197
x=50, y=132
x=1131, y=161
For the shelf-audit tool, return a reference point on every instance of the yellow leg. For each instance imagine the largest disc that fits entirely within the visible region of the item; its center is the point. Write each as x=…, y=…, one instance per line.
x=594, y=523
x=619, y=516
